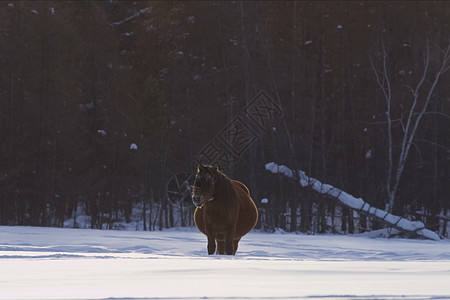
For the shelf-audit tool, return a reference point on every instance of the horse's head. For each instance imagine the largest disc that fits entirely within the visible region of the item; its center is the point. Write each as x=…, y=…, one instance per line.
x=203, y=189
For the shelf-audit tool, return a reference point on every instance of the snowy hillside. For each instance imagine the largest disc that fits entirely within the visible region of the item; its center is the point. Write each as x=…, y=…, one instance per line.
x=51, y=263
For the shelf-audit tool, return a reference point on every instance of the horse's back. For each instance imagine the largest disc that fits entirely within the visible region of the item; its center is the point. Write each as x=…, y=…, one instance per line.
x=240, y=186
x=248, y=213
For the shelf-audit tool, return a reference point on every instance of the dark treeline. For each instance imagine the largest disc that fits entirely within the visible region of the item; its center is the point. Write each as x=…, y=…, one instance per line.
x=102, y=103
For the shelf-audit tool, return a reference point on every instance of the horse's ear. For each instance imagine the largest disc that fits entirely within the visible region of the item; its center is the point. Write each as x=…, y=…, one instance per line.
x=200, y=167
x=216, y=168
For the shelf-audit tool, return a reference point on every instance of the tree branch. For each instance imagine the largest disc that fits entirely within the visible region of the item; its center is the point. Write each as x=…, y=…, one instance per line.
x=413, y=118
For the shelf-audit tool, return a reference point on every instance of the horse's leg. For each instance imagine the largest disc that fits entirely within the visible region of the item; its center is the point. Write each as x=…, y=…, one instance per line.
x=211, y=239
x=220, y=247
x=229, y=238
x=211, y=245
x=236, y=242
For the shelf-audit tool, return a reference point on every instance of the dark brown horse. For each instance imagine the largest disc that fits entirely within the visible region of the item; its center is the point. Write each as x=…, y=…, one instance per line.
x=225, y=211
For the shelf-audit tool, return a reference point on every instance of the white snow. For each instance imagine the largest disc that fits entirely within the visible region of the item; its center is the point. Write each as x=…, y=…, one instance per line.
x=86, y=107
x=191, y=19
x=54, y=263
x=234, y=41
x=133, y=146
x=101, y=132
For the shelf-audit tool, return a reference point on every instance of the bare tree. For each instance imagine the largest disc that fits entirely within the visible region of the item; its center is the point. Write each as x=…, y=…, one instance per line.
x=420, y=96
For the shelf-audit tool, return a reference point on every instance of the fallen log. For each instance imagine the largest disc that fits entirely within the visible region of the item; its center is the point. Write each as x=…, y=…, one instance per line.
x=416, y=228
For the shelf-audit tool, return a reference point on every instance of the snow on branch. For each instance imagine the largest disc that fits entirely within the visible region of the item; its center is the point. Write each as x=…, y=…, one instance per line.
x=136, y=14
x=358, y=204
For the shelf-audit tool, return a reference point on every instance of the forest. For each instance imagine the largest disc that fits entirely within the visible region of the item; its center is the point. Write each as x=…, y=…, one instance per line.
x=107, y=107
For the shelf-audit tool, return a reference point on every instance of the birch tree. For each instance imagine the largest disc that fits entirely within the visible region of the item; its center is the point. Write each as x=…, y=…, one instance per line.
x=420, y=96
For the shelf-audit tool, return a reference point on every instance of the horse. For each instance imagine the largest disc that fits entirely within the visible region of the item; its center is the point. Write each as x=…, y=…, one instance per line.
x=224, y=212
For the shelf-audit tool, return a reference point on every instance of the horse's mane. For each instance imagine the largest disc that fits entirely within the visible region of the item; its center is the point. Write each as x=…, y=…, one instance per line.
x=224, y=192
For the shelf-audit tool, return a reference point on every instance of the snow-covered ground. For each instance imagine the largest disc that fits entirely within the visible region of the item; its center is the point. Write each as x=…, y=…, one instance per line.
x=52, y=263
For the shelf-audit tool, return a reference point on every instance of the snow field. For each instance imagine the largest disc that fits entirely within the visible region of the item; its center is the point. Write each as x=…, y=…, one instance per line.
x=52, y=263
